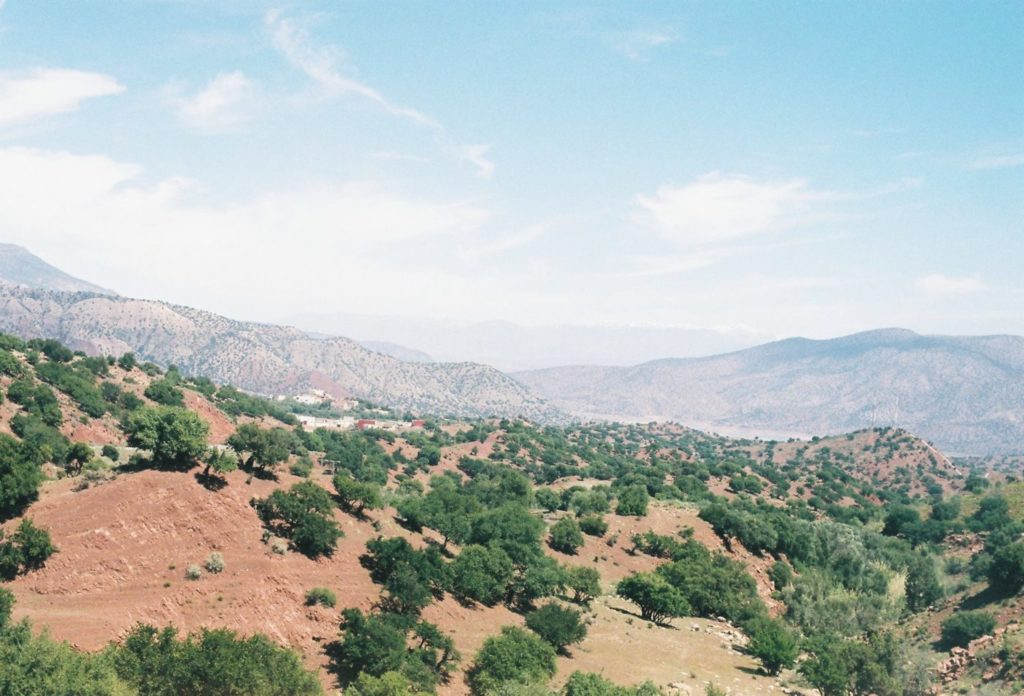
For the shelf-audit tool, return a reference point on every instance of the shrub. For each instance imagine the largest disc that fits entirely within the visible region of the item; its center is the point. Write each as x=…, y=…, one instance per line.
x=175, y=436
x=193, y=572
x=20, y=475
x=215, y=562
x=321, y=596
x=632, y=501
x=963, y=627
x=557, y=625
x=514, y=656
x=111, y=453
x=594, y=525
x=218, y=661
x=565, y=536
x=1006, y=571
x=164, y=393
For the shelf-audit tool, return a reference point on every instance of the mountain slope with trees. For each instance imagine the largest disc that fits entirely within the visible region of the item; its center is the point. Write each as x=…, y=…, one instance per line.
x=262, y=358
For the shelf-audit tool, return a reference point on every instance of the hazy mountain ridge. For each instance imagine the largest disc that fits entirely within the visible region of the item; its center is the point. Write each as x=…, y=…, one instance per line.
x=263, y=358
x=964, y=393
x=20, y=267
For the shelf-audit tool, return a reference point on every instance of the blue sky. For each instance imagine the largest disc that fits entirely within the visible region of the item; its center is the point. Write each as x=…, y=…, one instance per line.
x=756, y=168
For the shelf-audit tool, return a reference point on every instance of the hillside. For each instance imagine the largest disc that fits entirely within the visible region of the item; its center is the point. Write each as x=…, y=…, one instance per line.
x=962, y=393
x=20, y=267
x=429, y=541
x=262, y=358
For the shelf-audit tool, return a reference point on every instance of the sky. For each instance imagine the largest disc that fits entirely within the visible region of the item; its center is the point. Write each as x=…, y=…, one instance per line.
x=784, y=168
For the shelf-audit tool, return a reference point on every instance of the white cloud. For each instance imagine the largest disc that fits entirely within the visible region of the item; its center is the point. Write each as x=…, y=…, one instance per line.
x=321, y=66
x=40, y=92
x=477, y=156
x=722, y=208
x=637, y=45
x=527, y=235
x=225, y=101
x=337, y=241
x=941, y=285
x=999, y=162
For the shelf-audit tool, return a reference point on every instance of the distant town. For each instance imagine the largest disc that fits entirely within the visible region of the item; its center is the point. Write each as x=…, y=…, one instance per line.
x=344, y=414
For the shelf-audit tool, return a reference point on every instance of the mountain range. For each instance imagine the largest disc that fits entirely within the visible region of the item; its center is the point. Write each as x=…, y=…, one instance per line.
x=965, y=394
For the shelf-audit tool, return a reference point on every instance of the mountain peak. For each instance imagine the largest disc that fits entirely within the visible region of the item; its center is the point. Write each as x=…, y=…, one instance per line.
x=19, y=266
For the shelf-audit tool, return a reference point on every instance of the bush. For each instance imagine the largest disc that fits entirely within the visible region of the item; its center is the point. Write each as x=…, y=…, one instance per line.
x=193, y=572
x=632, y=501
x=321, y=596
x=20, y=476
x=514, y=656
x=175, y=436
x=164, y=393
x=156, y=663
x=111, y=453
x=565, y=536
x=963, y=627
x=557, y=625
x=594, y=525
x=215, y=562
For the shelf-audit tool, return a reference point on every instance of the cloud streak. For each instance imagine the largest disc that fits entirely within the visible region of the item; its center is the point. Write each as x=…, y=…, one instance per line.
x=41, y=92
x=999, y=162
x=321, y=66
x=225, y=102
x=940, y=285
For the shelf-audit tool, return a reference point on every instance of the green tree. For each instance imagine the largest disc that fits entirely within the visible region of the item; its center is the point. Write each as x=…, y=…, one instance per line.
x=266, y=448
x=481, y=574
x=514, y=656
x=632, y=501
x=922, y=587
x=20, y=476
x=559, y=626
x=26, y=550
x=1006, y=572
x=584, y=583
x=303, y=514
x=174, y=436
x=214, y=662
x=164, y=393
x=773, y=644
x=78, y=456
x=565, y=536
x=658, y=600
x=357, y=496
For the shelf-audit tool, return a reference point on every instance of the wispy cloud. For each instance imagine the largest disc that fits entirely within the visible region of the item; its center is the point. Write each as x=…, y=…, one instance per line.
x=477, y=156
x=942, y=285
x=320, y=64
x=494, y=247
x=40, y=92
x=226, y=101
x=638, y=44
x=999, y=162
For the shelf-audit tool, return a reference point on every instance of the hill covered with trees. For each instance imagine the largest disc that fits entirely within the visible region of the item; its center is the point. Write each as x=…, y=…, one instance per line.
x=184, y=535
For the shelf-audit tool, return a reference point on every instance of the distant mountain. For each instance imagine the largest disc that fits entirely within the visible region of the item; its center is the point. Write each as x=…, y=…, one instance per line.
x=509, y=346
x=966, y=394
x=18, y=266
x=397, y=351
x=262, y=358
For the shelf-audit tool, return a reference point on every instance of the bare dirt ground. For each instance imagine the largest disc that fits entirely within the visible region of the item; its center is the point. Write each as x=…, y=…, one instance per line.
x=125, y=545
